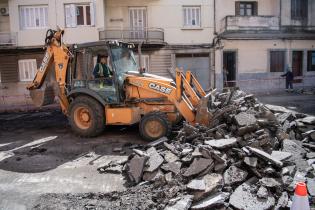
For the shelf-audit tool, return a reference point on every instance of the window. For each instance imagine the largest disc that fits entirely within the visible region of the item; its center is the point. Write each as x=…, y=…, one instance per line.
x=33, y=17
x=247, y=8
x=298, y=9
x=27, y=69
x=191, y=16
x=277, y=61
x=311, y=61
x=79, y=15
x=145, y=61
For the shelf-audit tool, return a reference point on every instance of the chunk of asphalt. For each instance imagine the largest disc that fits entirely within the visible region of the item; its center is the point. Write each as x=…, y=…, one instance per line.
x=197, y=184
x=211, y=201
x=269, y=182
x=213, y=182
x=135, y=168
x=282, y=201
x=151, y=176
x=157, y=142
x=197, y=166
x=265, y=156
x=280, y=155
x=154, y=161
x=308, y=120
x=221, y=143
x=170, y=157
x=245, y=119
x=262, y=192
x=310, y=155
x=251, y=161
x=172, y=167
x=183, y=203
x=234, y=175
x=243, y=198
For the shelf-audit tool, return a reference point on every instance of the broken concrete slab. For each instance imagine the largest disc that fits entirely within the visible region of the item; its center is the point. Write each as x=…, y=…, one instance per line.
x=197, y=184
x=170, y=157
x=213, y=182
x=292, y=147
x=288, y=170
x=269, y=182
x=211, y=201
x=135, y=168
x=183, y=203
x=169, y=177
x=280, y=155
x=265, y=156
x=154, y=161
x=276, y=108
x=311, y=161
x=234, y=175
x=243, y=199
x=197, y=166
x=222, y=143
x=245, y=119
x=172, y=167
x=251, y=161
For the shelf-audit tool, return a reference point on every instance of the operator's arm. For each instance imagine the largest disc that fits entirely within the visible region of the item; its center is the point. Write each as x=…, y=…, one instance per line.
x=95, y=71
x=284, y=75
x=109, y=70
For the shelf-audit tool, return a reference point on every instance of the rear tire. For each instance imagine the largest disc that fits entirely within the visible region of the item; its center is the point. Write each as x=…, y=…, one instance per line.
x=86, y=116
x=154, y=125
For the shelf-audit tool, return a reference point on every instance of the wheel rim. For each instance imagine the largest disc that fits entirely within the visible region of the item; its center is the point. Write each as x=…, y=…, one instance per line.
x=154, y=128
x=82, y=117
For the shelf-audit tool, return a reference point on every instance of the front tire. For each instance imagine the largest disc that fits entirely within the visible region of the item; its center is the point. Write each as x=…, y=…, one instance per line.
x=86, y=116
x=154, y=125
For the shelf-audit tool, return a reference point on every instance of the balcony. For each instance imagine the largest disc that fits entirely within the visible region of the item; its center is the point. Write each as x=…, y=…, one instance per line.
x=145, y=35
x=249, y=23
x=8, y=39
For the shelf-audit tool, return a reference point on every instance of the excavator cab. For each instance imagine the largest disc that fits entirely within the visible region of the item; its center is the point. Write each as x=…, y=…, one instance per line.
x=120, y=60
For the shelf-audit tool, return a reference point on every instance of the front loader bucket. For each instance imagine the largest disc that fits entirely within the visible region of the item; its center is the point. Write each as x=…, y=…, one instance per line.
x=43, y=97
x=203, y=116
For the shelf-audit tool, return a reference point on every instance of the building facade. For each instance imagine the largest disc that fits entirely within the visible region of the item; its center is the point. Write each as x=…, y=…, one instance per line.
x=223, y=42
x=259, y=40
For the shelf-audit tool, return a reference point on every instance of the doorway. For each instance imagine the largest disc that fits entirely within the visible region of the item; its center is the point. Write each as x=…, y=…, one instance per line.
x=138, y=22
x=229, y=69
x=297, y=65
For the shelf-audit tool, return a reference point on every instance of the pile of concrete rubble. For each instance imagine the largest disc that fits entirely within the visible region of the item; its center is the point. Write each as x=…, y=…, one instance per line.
x=250, y=157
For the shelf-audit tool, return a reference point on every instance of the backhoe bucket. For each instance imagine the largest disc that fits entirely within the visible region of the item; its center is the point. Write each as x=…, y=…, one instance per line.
x=43, y=97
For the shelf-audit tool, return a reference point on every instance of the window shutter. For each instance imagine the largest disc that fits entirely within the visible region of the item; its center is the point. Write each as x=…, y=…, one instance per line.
x=92, y=13
x=237, y=8
x=68, y=15
x=255, y=8
x=73, y=12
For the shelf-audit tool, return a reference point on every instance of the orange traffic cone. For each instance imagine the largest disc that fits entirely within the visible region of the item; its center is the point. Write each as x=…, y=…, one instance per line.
x=300, y=199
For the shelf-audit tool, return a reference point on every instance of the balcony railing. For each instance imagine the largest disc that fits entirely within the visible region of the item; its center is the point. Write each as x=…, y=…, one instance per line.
x=146, y=35
x=245, y=23
x=8, y=39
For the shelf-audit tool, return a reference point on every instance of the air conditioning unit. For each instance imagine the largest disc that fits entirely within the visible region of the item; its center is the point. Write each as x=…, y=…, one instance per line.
x=4, y=11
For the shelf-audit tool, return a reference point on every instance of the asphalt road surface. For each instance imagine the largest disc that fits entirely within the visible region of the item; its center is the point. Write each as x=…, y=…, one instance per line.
x=39, y=154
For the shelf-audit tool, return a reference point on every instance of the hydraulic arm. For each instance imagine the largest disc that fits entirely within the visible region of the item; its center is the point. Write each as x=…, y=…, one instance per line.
x=59, y=55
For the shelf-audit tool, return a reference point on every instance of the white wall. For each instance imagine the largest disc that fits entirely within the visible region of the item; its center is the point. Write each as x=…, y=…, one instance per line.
x=166, y=14
x=56, y=17
x=227, y=7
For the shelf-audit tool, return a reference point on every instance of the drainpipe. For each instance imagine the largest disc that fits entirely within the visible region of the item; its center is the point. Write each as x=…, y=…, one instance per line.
x=212, y=53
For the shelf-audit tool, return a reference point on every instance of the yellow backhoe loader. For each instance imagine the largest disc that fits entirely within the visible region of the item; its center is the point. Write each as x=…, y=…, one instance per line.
x=128, y=97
